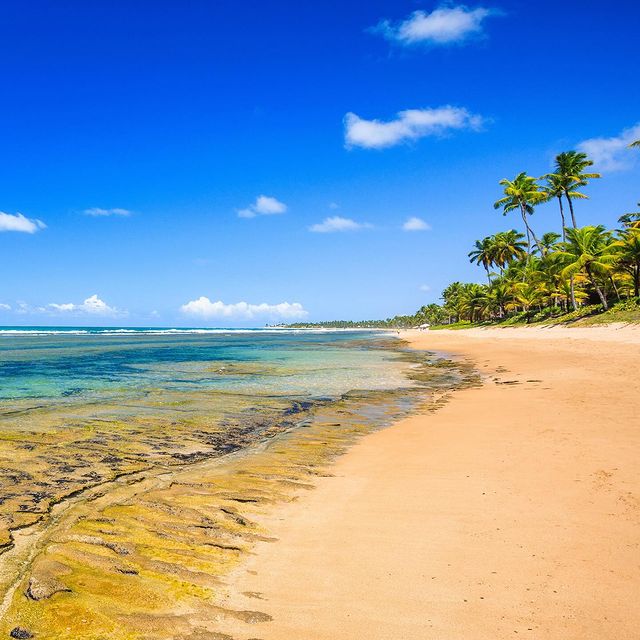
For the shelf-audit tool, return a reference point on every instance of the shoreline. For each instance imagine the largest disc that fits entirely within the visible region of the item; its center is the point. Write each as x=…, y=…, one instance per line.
x=147, y=552
x=513, y=509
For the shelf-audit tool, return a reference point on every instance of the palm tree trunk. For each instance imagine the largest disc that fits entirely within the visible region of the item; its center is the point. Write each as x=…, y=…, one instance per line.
x=598, y=290
x=530, y=233
x=573, y=295
x=573, y=215
x=526, y=226
x=613, y=284
x=564, y=233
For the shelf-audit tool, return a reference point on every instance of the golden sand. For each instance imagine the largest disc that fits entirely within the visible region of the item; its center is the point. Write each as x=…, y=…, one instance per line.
x=513, y=511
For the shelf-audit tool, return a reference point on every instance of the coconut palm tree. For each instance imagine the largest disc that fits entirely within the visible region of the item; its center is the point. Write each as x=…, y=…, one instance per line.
x=635, y=144
x=524, y=270
x=521, y=194
x=589, y=251
x=451, y=298
x=484, y=254
x=547, y=243
x=549, y=277
x=528, y=295
x=498, y=298
x=507, y=247
x=473, y=300
x=570, y=169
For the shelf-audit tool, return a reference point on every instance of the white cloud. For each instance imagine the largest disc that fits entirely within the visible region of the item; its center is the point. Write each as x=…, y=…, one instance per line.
x=410, y=124
x=18, y=222
x=416, y=224
x=97, y=212
x=443, y=26
x=613, y=154
x=64, y=306
x=263, y=206
x=334, y=205
x=204, y=308
x=92, y=305
x=5, y=307
x=337, y=223
x=424, y=287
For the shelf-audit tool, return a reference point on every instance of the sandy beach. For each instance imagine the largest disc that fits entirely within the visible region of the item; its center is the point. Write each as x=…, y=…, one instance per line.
x=512, y=511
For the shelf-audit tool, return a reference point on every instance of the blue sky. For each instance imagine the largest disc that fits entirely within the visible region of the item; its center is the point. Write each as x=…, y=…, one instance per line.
x=142, y=136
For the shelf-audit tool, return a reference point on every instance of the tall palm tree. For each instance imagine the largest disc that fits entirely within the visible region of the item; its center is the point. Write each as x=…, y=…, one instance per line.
x=589, y=251
x=570, y=167
x=559, y=186
x=484, y=254
x=521, y=194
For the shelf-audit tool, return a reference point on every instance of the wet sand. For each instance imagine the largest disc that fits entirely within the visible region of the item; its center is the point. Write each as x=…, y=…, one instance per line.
x=513, y=511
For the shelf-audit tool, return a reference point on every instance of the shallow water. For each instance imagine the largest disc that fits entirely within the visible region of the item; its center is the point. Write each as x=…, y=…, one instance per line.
x=84, y=364
x=110, y=445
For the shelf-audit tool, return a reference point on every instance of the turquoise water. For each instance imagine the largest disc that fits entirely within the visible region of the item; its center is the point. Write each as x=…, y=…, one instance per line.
x=78, y=364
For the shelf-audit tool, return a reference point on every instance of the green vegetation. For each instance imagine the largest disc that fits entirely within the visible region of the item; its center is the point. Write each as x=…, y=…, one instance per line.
x=555, y=277
x=588, y=274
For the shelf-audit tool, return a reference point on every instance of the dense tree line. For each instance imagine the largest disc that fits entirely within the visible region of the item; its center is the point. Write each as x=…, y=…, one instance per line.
x=538, y=276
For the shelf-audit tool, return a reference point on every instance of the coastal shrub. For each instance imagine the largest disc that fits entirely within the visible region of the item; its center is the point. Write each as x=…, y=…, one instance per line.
x=632, y=304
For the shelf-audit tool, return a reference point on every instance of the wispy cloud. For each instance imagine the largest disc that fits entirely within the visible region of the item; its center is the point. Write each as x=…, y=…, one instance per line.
x=93, y=305
x=5, y=307
x=613, y=154
x=97, y=212
x=337, y=223
x=424, y=287
x=18, y=222
x=415, y=224
x=204, y=308
x=410, y=124
x=445, y=25
x=263, y=206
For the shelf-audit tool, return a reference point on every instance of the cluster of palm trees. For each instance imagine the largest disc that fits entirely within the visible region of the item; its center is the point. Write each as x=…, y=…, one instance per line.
x=556, y=272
